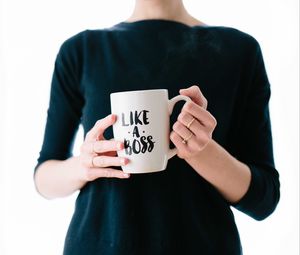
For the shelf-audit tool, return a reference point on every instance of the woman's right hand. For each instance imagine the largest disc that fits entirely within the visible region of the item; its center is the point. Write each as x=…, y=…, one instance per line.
x=98, y=155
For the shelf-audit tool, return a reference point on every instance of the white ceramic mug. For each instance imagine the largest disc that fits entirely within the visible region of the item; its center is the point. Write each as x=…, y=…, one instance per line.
x=143, y=124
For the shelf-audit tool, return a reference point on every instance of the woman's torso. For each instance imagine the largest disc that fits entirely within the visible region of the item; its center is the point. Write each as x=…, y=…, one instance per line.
x=174, y=211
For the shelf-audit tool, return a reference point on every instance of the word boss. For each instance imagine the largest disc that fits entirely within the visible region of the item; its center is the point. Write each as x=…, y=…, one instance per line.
x=139, y=144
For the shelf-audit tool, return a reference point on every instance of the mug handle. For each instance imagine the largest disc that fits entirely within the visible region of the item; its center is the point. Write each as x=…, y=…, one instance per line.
x=171, y=103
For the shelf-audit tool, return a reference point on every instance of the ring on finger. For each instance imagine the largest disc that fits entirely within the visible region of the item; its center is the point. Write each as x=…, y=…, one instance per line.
x=190, y=123
x=184, y=141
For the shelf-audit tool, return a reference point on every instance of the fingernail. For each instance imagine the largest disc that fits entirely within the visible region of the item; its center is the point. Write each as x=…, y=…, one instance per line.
x=126, y=175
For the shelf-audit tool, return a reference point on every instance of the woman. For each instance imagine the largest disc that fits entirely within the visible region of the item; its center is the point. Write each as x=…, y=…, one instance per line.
x=186, y=208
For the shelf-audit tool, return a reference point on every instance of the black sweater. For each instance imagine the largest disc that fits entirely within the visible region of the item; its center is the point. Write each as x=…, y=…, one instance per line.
x=175, y=211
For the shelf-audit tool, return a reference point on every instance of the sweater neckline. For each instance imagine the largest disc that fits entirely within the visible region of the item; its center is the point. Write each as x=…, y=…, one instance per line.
x=157, y=22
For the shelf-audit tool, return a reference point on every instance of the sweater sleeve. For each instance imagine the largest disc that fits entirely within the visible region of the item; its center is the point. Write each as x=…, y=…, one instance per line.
x=65, y=105
x=252, y=144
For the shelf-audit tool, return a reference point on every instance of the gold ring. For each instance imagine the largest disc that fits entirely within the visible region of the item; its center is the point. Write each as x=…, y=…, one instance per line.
x=184, y=141
x=190, y=123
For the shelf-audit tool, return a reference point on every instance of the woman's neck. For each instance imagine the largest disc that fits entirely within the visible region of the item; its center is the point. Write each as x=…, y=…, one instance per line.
x=162, y=9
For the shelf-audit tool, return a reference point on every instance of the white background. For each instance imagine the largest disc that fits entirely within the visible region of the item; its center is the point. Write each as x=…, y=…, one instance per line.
x=31, y=33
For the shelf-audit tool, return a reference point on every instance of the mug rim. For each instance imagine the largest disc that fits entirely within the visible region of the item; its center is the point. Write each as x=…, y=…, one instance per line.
x=139, y=91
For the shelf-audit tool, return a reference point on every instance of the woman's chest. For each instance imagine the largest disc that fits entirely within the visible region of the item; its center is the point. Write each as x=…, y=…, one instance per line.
x=103, y=77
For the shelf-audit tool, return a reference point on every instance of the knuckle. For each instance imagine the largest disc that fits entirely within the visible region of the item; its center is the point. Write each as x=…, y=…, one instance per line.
x=206, y=138
x=172, y=136
x=210, y=136
x=212, y=123
x=189, y=105
x=175, y=125
x=99, y=161
x=106, y=173
x=181, y=127
x=199, y=148
x=200, y=142
x=198, y=145
x=182, y=116
x=97, y=146
x=195, y=88
x=209, y=125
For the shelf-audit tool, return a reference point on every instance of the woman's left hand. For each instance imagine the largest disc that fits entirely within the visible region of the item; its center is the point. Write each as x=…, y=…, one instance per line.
x=194, y=126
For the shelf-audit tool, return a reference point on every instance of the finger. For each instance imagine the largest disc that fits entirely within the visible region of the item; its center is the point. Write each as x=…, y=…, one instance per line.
x=94, y=173
x=101, y=146
x=182, y=130
x=195, y=94
x=106, y=145
x=203, y=116
x=100, y=126
x=106, y=161
x=185, y=118
x=185, y=133
x=202, y=134
x=177, y=140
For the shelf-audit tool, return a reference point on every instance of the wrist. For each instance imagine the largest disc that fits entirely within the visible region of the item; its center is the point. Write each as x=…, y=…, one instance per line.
x=76, y=171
